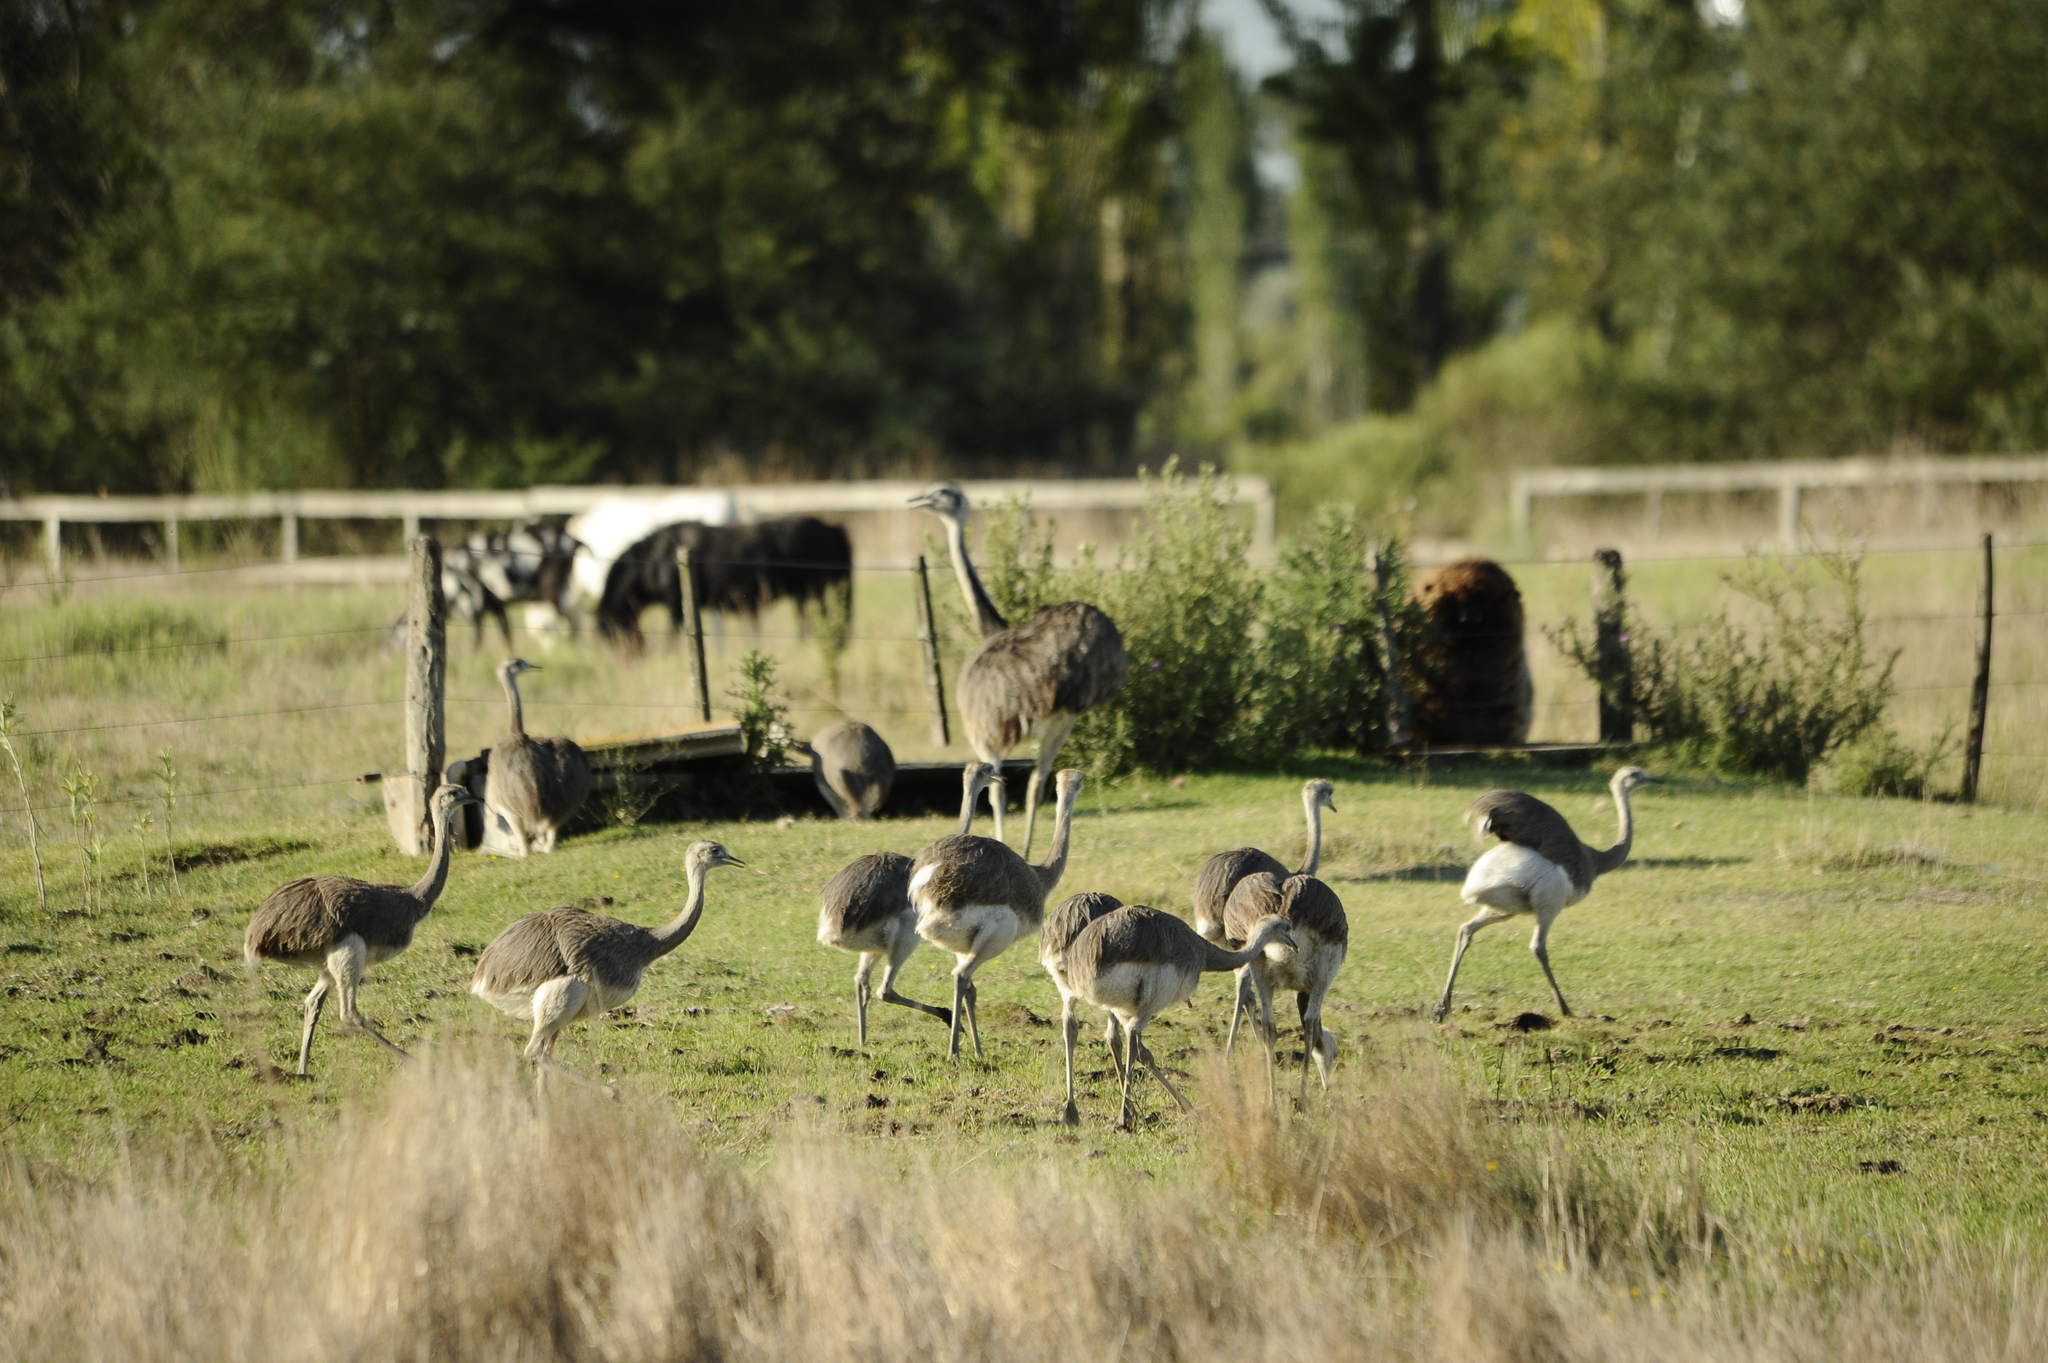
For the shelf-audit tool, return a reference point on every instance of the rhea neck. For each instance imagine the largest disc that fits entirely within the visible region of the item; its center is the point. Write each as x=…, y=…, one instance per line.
x=1314, y=859
x=967, y=803
x=1613, y=858
x=510, y=680
x=985, y=613
x=674, y=934
x=1055, y=864
x=1219, y=958
x=428, y=888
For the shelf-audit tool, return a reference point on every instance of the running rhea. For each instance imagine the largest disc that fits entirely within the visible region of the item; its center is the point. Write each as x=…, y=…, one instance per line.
x=338, y=925
x=1057, y=934
x=1540, y=868
x=535, y=784
x=974, y=896
x=1039, y=677
x=866, y=909
x=568, y=965
x=852, y=768
x=1307, y=965
x=1221, y=873
x=1137, y=962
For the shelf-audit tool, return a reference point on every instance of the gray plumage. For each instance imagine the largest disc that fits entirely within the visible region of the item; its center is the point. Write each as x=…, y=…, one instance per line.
x=1137, y=962
x=853, y=769
x=974, y=896
x=536, y=784
x=1221, y=873
x=566, y=965
x=1308, y=966
x=1038, y=678
x=1541, y=868
x=1055, y=935
x=866, y=909
x=339, y=925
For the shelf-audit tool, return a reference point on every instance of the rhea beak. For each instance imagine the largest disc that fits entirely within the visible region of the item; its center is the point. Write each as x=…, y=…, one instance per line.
x=926, y=500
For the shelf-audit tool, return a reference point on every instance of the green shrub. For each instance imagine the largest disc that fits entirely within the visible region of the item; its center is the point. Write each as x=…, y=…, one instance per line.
x=1777, y=701
x=1318, y=683
x=1881, y=763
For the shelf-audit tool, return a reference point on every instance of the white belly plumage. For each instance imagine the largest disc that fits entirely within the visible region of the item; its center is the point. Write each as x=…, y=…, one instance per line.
x=1516, y=879
x=1129, y=988
x=969, y=929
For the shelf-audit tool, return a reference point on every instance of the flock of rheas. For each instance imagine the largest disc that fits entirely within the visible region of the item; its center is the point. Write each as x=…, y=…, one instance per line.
x=969, y=895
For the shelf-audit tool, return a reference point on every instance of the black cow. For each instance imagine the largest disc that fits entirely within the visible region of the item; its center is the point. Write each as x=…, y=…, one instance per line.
x=739, y=569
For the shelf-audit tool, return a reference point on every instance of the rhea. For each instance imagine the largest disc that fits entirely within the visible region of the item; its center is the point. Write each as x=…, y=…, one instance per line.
x=852, y=768
x=1137, y=962
x=1540, y=868
x=1221, y=873
x=568, y=965
x=1055, y=936
x=338, y=925
x=535, y=784
x=973, y=896
x=1306, y=965
x=1039, y=677
x=866, y=909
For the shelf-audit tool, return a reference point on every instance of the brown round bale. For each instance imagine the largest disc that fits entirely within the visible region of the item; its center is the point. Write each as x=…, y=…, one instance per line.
x=1475, y=673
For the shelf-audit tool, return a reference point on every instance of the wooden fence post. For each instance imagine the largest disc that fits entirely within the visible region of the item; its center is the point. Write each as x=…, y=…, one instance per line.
x=1980, y=687
x=1394, y=691
x=1614, y=670
x=407, y=795
x=928, y=636
x=693, y=629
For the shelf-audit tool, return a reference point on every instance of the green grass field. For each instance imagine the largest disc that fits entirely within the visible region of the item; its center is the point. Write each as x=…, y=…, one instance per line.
x=1809, y=1026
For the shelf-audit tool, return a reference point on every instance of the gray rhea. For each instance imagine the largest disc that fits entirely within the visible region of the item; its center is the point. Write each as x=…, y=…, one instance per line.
x=866, y=909
x=1308, y=965
x=974, y=896
x=853, y=769
x=1220, y=874
x=1137, y=962
x=338, y=925
x=1540, y=868
x=568, y=965
x=1038, y=678
x=536, y=784
x=1057, y=934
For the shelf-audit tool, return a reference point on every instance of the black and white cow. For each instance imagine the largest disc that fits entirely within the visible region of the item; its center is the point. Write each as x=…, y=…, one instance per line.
x=740, y=569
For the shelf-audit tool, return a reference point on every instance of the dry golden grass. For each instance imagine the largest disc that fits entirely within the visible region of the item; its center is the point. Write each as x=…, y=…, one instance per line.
x=456, y=1216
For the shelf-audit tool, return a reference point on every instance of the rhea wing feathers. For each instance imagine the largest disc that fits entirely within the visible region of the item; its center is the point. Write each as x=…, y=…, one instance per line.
x=1518, y=817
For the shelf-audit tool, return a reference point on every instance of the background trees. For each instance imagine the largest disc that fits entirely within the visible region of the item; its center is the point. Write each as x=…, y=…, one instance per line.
x=267, y=242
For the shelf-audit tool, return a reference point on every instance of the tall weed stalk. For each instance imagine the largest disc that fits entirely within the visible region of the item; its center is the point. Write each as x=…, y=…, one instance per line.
x=10, y=725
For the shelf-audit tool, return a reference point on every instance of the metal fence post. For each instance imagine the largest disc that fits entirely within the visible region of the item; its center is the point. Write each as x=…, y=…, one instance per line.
x=693, y=629
x=1980, y=686
x=1614, y=670
x=928, y=636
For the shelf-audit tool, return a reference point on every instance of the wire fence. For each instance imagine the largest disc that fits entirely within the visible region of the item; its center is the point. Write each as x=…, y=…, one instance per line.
x=681, y=706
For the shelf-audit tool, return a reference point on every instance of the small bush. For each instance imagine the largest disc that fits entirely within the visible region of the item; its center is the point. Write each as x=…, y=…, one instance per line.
x=1777, y=701
x=1881, y=763
x=761, y=711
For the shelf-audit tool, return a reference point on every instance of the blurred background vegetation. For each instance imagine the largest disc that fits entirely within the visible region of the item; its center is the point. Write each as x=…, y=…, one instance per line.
x=277, y=243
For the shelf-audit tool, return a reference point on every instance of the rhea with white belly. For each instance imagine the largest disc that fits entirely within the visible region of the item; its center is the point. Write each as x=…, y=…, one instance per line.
x=974, y=896
x=1137, y=962
x=568, y=965
x=1307, y=965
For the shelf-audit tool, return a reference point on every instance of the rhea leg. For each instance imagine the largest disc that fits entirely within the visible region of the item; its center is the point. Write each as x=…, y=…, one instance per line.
x=901, y=945
x=1130, y=1069
x=1487, y=914
x=345, y=965
x=315, y=1001
x=1145, y=1054
x=1537, y=944
x=963, y=1007
x=556, y=1004
x=998, y=794
x=1241, y=1006
x=1051, y=739
x=860, y=993
x=1070, y=1028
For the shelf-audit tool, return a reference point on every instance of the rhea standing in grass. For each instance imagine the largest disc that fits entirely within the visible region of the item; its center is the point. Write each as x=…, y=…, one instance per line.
x=568, y=965
x=866, y=909
x=1221, y=873
x=974, y=896
x=1061, y=927
x=535, y=784
x=338, y=926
